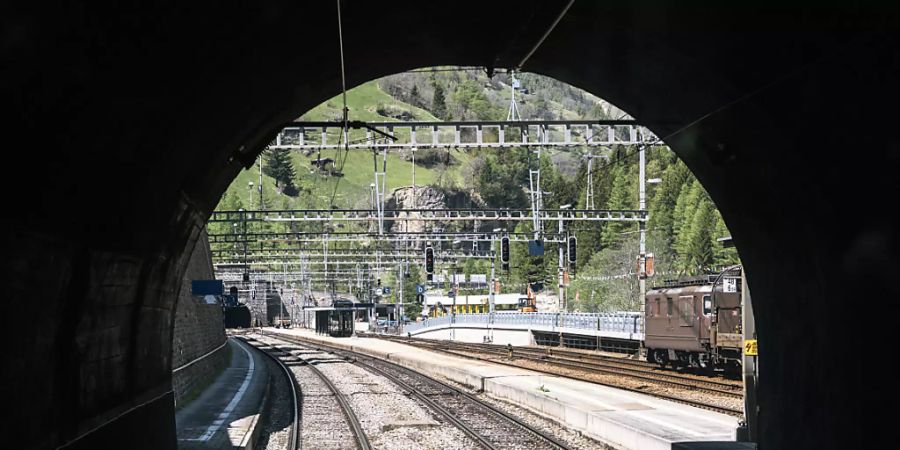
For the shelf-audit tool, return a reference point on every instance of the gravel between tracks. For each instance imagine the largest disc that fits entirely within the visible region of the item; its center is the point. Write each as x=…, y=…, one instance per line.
x=390, y=419
x=565, y=434
x=277, y=427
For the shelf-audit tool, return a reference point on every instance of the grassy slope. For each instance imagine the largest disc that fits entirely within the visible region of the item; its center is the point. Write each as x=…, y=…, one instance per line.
x=353, y=188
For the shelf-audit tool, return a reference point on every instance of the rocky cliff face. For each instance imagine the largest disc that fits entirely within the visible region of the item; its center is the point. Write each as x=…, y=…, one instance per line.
x=429, y=197
x=422, y=197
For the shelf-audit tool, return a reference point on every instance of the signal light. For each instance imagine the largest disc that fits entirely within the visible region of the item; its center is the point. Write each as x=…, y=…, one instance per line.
x=429, y=260
x=573, y=241
x=504, y=249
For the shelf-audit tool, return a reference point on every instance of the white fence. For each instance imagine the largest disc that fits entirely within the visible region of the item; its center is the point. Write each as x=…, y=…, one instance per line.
x=621, y=325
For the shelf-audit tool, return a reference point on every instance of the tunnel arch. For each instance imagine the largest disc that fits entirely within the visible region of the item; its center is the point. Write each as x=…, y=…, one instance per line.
x=145, y=133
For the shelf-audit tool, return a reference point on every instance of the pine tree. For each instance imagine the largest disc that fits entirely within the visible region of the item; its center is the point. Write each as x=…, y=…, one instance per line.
x=722, y=256
x=688, y=209
x=278, y=165
x=438, y=103
x=699, y=241
x=678, y=212
x=414, y=97
x=622, y=196
x=665, y=200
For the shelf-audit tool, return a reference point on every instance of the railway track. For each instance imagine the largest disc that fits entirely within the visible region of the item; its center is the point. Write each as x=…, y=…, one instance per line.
x=293, y=437
x=554, y=360
x=322, y=402
x=486, y=425
x=635, y=369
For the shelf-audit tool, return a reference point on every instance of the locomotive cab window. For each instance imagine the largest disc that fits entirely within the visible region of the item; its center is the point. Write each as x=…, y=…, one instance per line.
x=686, y=311
x=707, y=304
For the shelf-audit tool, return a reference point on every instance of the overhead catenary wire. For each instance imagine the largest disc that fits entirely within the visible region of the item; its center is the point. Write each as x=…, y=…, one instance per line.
x=343, y=74
x=544, y=37
x=345, y=132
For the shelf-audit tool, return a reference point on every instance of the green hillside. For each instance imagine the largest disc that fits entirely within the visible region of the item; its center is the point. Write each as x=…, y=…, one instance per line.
x=469, y=96
x=352, y=189
x=684, y=223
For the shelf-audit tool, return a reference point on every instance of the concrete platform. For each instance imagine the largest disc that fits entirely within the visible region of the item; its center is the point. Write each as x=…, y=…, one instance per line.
x=227, y=413
x=618, y=418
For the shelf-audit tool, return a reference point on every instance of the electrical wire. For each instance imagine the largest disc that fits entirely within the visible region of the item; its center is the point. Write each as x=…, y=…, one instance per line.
x=546, y=33
x=345, y=132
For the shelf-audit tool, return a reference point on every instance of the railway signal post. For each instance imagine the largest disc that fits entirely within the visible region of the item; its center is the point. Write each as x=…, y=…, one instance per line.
x=504, y=253
x=429, y=262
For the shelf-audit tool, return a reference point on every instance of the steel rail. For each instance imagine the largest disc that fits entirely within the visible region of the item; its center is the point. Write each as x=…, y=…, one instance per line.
x=294, y=439
x=355, y=358
x=725, y=410
x=672, y=380
x=588, y=360
x=362, y=441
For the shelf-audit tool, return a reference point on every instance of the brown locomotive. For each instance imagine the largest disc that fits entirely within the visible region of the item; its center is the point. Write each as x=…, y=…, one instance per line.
x=695, y=322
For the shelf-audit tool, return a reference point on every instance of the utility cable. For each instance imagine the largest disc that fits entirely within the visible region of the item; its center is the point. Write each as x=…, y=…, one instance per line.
x=546, y=33
x=346, y=111
x=343, y=75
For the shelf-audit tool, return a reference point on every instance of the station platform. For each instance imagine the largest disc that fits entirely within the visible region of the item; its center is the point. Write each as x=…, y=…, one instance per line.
x=621, y=419
x=227, y=413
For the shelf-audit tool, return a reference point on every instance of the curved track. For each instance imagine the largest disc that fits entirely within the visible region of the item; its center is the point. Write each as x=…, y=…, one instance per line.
x=325, y=404
x=485, y=424
x=293, y=439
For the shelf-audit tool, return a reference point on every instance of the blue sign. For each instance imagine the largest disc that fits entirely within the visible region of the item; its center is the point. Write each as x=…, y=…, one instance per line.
x=207, y=287
x=420, y=289
x=536, y=247
x=387, y=291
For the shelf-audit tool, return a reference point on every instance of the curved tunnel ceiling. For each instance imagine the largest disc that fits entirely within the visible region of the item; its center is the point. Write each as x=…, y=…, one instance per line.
x=128, y=122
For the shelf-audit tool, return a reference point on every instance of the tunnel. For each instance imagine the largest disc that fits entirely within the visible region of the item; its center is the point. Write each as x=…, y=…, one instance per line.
x=127, y=121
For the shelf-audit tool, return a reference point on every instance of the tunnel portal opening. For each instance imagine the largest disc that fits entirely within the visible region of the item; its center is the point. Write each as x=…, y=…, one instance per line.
x=737, y=93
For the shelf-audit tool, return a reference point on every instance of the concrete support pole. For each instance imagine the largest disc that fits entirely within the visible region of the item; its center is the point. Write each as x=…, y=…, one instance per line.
x=492, y=291
x=751, y=429
x=259, y=187
x=642, y=224
x=559, y=270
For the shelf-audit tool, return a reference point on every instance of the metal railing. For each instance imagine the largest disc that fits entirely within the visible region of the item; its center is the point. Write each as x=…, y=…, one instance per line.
x=617, y=322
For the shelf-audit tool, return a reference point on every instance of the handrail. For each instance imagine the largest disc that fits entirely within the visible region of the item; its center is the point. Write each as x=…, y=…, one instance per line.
x=184, y=366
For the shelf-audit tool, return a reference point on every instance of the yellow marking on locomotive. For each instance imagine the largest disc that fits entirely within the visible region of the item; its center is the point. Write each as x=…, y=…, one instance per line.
x=750, y=348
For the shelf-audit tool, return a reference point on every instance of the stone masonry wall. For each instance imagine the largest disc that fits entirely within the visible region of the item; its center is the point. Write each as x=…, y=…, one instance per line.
x=198, y=329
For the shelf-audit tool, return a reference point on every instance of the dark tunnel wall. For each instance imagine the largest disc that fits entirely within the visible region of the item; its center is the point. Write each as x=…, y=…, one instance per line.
x=126, y=123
